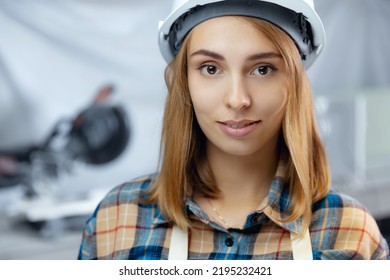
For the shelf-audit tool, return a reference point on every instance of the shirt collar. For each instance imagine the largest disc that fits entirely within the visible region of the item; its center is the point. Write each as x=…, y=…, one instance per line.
x=193, y=209
x=279, y=200
x=279, y=205
x=158, y=217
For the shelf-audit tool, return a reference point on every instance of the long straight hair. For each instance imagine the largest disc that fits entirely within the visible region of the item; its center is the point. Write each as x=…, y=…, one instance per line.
x=183, y=164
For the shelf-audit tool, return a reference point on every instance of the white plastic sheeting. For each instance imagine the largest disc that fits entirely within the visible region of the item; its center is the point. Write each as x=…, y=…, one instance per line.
x=55, y=55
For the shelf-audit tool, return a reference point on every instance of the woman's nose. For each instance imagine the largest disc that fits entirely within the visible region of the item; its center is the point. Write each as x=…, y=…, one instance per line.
x=237, y=96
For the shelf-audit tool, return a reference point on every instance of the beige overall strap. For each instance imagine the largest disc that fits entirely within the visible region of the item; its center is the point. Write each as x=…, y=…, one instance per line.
x=178, y=249
x=301, y=248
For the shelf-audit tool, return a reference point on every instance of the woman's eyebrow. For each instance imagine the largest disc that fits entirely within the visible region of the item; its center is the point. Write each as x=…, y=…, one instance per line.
x=208, y=53
x=264, y=55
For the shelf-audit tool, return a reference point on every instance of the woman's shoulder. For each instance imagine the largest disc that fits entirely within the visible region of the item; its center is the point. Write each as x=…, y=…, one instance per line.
x=343, y=227
x=342, y=210
x=125, y=205
x=338, y=200
x=130, y=192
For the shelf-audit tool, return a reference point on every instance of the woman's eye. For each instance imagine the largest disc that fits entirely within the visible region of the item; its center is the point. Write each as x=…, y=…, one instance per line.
x=209, y=69
x=264, y=70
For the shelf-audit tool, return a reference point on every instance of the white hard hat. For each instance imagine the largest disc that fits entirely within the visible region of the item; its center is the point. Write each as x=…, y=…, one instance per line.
x=296, y=17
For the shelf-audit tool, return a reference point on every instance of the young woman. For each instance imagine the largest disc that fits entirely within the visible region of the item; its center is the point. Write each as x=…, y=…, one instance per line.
x=243, y=171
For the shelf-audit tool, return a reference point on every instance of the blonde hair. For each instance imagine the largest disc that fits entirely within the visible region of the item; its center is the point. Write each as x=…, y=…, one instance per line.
x=183, y=165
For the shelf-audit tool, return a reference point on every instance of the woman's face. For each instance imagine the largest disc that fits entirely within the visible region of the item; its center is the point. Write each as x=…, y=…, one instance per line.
x=238, y=86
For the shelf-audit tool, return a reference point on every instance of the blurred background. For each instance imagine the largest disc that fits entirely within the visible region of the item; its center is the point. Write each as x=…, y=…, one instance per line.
x=82, y=96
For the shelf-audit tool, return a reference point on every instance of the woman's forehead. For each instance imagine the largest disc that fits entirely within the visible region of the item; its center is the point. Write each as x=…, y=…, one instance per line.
x=229, y=34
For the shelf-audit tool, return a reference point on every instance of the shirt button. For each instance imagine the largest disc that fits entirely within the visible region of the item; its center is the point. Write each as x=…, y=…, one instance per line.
x=255, y=219
x=229, y=242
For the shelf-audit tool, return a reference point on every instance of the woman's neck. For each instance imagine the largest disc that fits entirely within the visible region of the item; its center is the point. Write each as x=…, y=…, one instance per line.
x=243, y=179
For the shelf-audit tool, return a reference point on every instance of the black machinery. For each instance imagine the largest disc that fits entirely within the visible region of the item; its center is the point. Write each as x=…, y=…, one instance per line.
x=96, y=136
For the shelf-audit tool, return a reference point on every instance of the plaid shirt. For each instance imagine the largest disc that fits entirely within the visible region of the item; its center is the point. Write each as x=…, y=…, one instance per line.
x=122, y=227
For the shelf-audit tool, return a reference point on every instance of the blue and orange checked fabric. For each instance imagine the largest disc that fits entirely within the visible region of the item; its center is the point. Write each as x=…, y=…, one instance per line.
x=122, y=227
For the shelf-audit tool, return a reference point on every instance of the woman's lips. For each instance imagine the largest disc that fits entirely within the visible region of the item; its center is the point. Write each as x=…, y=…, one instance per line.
x=239, y=128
